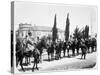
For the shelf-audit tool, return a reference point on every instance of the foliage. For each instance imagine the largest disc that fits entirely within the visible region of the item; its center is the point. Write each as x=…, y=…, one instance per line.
x=86, y=31
x=78, y=34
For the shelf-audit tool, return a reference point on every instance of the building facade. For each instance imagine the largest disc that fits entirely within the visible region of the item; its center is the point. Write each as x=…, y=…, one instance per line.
x=36, y=31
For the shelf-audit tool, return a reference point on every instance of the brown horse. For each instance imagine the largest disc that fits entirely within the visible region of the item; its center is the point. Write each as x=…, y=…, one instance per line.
x=36, y=55
x=21, y=54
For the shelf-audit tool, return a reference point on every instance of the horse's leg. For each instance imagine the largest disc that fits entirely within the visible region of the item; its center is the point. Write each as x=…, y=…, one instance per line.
x=55, y=55
x=63, y=52
x=87, y=49
x=41, y=57
x=84, y=56
x=21, y=63
x=77, y=50
x=60, y=53
x=52, y=56
x=91, y=49
x=29, y=60
x=37, y=66
x=95, y=48
x=73, y=52
x=16, y=62
x=25, y=60
x=33, y=66
x=68, y=52
x=48, y=56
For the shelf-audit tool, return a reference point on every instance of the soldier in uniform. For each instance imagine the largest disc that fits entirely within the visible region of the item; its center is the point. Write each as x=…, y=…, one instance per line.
x=83, y=49
x=73, y=47
x=64, y=48
x=77, y=46
x=60, y=48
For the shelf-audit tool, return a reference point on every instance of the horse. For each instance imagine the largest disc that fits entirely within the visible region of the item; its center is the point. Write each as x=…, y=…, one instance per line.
x=36, y=55
x=58, y=49
x=83, y=49
x=64, y=48
x=77, y=46
x=21, y=54
x=71, y=46
x=40, y=46
x=28, y=50
x=50, y=51
x=93, y=44
x=88, y=44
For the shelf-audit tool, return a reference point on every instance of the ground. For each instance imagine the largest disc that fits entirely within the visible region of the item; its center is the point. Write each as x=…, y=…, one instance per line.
x=65, y=63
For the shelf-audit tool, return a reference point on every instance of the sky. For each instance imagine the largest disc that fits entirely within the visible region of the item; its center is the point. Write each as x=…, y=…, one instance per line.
x=42, y=14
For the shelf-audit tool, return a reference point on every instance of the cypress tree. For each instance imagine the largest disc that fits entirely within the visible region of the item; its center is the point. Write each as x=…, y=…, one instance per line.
x=54, y=31
x=67, y=28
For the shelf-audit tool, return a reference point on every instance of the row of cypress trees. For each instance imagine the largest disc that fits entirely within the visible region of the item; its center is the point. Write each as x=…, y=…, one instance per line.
x=55, y=30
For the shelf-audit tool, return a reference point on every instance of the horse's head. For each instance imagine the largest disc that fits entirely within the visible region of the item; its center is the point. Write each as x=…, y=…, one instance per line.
x=44, y=44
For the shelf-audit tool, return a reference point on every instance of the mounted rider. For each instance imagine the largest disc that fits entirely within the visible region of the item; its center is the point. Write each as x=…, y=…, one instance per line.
x=28, y=42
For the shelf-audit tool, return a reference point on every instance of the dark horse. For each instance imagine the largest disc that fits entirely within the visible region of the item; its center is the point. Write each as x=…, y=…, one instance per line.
x=91, y=43
x=50, y=51
x=64, y=49
x=83, y=49
x=71, y=46
x=58, y=49
x=21, y=54
x=40, y=46
x=94, y=44
x=36, y=55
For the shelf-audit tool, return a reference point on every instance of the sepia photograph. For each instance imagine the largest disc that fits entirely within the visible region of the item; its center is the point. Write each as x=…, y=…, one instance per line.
x=49, y=37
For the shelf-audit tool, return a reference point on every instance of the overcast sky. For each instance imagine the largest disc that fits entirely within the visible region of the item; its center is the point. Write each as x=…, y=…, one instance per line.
x=42, y=14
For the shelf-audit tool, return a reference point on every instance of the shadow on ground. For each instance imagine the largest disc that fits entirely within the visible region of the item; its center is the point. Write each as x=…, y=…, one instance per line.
x=90, y=66
x=28, y=69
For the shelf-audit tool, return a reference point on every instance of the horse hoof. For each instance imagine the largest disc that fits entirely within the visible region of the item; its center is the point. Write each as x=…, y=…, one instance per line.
x=37, y=68
x=32, y=70
x=23, y=70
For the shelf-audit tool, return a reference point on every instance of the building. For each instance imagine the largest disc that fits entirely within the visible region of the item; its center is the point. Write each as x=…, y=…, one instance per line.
x=36, y=31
